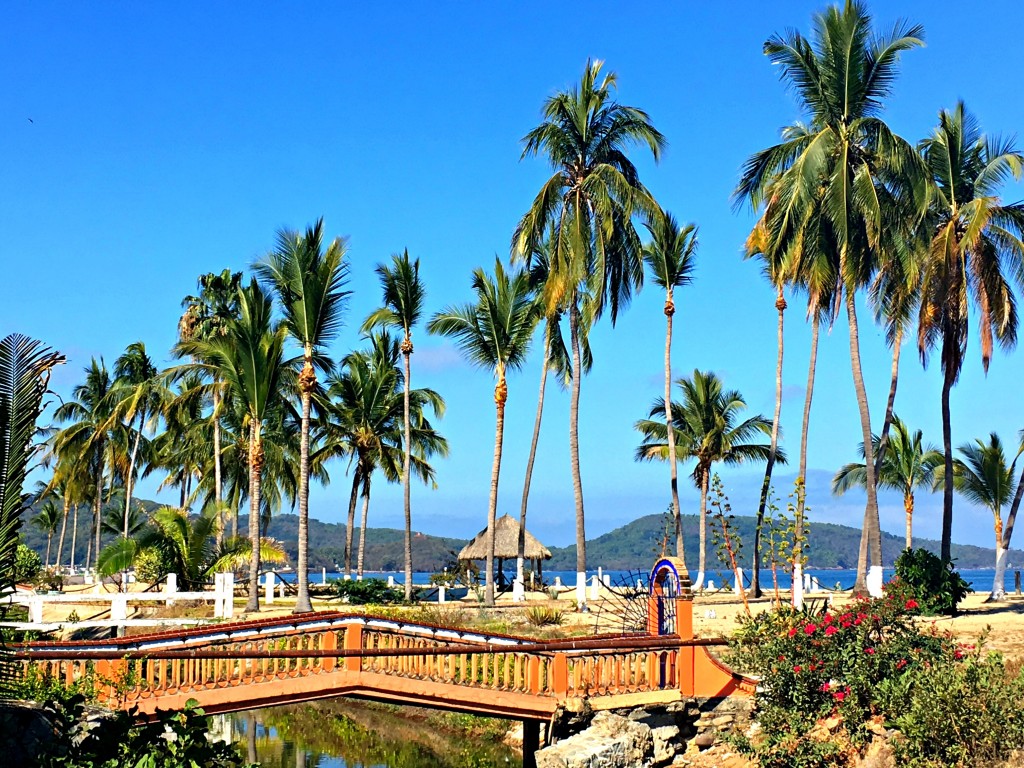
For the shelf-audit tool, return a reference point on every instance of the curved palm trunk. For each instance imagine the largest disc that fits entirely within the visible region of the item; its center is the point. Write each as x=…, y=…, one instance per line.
x=873, y=575
x=129, y=481
x=74, y=538
x=63, y=532
x=217, y=484
x=908, y=509
x=362, y=527
x=999, y=582
x=574, y=456
x=755, y=579
x=947, y=451
x=801, y=493
x=500, y=396
x=307, y=380
x=677, y=516
x=705, y=479
x=98, y=503
x=521, y=551
x=998, y=588
x=255, y=469
x=406, y=478
x=49, y=538
x=349, y=528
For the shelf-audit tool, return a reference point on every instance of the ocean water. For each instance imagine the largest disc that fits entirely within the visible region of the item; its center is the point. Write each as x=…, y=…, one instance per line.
x=979, y=579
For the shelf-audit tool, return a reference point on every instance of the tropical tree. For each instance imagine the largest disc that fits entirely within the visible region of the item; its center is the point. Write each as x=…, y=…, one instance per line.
x=907, y=464
x=589, y=202
x=309, y=283
x=184, y=449
x=494, y=333
x=206, y=316
x=249, y=359
x=87, y=434
x=845, y=165
x=976, y=241
x=47, y=520
x=138, y=394
x=402, y=307
x=187, y=546
x=707, y=423
x=670, y=256
x=25, y=366
x=983, y=477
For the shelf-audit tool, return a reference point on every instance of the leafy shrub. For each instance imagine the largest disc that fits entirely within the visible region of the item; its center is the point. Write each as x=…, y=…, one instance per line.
x=175, y=739
x=542, y=616
x=27, y=565
x=152, y=564
x=367, y=592
x=959, y=714
x=50, y=579
x=854, y=663
x=923, y=576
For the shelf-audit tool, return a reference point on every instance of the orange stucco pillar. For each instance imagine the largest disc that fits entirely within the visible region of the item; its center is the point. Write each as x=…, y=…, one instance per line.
x=353, y=642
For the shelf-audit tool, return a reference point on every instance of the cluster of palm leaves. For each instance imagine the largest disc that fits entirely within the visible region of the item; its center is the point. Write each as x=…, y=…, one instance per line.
x=847, y=206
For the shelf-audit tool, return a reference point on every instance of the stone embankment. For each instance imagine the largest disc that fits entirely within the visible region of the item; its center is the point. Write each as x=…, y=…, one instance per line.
x=644, y=737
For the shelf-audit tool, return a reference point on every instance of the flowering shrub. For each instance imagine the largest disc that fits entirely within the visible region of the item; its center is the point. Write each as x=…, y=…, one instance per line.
x=853, y=664
x=924, y=577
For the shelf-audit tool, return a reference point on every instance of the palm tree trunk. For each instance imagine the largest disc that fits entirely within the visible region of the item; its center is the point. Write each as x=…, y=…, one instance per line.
x=74, y=538
x=574, y=455
x=128, y=481
x=307, y=380
x=98, y=502
x=677, y=515
x=755, y=579
x=1011, y=518
x=521, y=552
x=801, y=494
x=362, y=527
x=500, y=396
x=352, y=499
x=998, y=588
x=908, y=508
x=217, y=490
x=49, y=538
x=255, y=468
x=406, y=477
x=705, y=479
x=63, y=532
x=872, y=576
x=947, y=451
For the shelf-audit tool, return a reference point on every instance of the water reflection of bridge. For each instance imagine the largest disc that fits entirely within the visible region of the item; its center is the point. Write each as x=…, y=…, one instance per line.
x=243, y=665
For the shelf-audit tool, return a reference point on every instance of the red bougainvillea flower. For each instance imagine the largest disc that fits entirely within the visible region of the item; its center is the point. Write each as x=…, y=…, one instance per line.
x=797, y=669
x=911, y=604
x=829, y=631
x=901, y=664
x=825, y=686
x=839, y=695
x=792, y=632
x=869, y=651
x=958, y=654
x=810, y=629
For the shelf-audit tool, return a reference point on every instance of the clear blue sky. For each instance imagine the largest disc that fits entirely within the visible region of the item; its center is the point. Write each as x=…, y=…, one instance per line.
x=146, y=143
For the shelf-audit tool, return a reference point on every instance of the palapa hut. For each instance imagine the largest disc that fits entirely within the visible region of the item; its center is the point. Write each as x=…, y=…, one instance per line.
x=506, y=546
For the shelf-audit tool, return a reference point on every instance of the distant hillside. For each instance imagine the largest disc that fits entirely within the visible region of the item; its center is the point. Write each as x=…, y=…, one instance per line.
x=830, y=546
x=632, y=546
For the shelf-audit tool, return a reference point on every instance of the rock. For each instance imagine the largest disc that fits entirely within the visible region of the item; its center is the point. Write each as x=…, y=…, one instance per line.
x=878, y=755
x=611, y=741
x=703, y=740
x=25, y=730
x=666, y=743
x=721, y=720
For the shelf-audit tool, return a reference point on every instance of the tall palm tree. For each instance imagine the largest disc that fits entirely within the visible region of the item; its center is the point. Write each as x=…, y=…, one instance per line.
x=846, y=164
x=206, y=316
x=402, y=307
x=309, y=282
x=249, y=359
x=670, y=256
x=775, y=268
x=983, y=477
x=907, y=464
x=87, y=434
x=47, y=520
x=976, y=240
x=709, y=430
x=138, y=394
x=494, y=332
x=590, y=201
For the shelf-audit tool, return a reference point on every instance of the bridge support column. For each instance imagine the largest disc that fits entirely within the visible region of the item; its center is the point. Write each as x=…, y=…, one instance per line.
x=531, y=742
x=353, y=642
x=559, y=682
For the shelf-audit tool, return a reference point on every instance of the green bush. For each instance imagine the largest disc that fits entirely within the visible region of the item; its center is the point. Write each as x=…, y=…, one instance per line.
x=542, y=616
x=923, y=576
x=367, y=592
x=27, y=565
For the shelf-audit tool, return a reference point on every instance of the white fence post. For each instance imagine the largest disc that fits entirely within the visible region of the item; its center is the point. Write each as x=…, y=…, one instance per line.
x=739, y=581
x=35, y=610
x=440, y=594
x=595, y=588
x=119, y=607
x=229, y=594
x=171, y=587
x=323, y=571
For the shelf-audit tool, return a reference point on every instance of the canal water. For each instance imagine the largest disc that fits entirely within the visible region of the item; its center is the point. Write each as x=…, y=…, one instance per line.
x=351, y=734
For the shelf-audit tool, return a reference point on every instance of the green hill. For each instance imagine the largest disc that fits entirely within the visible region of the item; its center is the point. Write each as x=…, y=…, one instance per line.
x=632, y=546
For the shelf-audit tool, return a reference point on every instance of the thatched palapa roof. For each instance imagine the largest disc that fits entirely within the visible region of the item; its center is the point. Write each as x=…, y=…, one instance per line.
x=506, y=543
